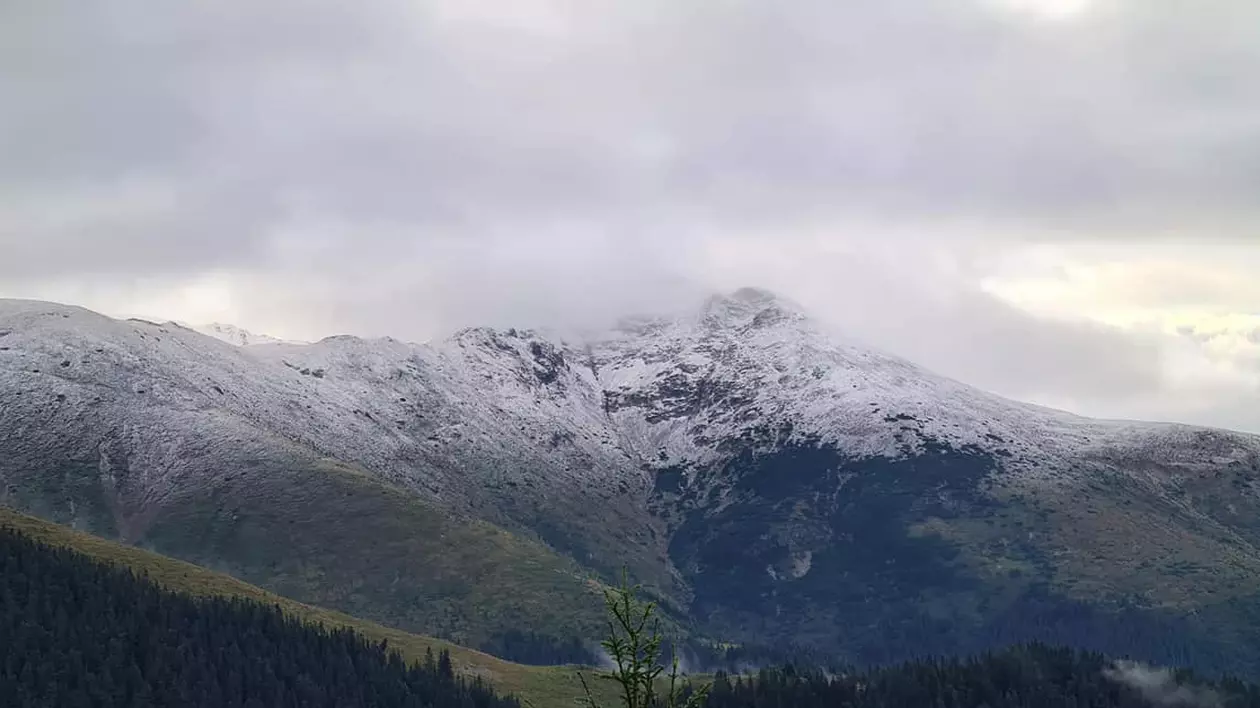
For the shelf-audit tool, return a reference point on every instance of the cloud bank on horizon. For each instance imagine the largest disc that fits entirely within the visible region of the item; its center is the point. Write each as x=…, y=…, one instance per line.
x=1052, y=199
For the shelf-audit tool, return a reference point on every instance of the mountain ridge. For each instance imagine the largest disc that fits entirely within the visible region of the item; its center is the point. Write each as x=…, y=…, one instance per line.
x=739, y=459
x=233, y=334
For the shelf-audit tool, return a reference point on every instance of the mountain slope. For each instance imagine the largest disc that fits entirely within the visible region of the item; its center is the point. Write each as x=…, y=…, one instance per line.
x=819, y=491
x=767, y=478
x=159, y=436
x=79, y=632
x=235, y=335
x=543, y=686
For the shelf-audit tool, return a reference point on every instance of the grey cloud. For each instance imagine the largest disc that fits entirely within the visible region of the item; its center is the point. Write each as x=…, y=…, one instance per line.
x=898, y=302
x=1235, y=410
x=728, y=114
x=499, y=280
x=1191, y=333
x=1038, y=358
x=421, y=165
x=131, y=227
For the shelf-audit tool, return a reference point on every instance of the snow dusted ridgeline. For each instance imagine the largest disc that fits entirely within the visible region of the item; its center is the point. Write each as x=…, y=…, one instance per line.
x=235, y=335
x=677, y=387
x=659, y=443
x=655, y=392
x=486, y=413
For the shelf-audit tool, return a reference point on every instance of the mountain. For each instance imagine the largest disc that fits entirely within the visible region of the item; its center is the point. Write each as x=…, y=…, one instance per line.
x=163, y=437
x=768, y=479
x=235, y=335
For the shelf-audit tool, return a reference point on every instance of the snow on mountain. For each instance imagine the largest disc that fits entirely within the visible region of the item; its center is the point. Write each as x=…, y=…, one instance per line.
x=455, y=422
x=236, y=335
x=739, y=455
x=567, y=416
x=676, y=387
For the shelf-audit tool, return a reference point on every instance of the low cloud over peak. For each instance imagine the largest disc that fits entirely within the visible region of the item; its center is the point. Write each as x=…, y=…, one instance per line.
x=922, y=172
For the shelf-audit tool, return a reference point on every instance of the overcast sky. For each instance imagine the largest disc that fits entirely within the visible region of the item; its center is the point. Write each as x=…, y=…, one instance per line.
x=1058, y=200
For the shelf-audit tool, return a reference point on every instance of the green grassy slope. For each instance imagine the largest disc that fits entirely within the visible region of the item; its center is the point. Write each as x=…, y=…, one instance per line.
x=327, y=533
x=542, y=686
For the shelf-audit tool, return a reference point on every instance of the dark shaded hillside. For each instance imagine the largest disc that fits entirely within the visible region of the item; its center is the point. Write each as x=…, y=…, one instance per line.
x=1032, y=676
x=880, y=560
x=79, y=633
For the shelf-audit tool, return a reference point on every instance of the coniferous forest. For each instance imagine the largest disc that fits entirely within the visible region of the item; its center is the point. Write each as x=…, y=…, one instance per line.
x=1029, y=676
x=1022, y=676
x=538, y=649
x=75, y=633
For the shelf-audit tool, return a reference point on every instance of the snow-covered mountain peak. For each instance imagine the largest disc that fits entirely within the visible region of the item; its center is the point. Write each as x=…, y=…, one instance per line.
x=711, y=449
x=750, y=306
x=755, y=299
x=661, y=390
x=734, y=312
x=235, y=335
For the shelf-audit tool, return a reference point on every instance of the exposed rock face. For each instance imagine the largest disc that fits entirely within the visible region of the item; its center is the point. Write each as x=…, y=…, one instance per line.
x=769, y=477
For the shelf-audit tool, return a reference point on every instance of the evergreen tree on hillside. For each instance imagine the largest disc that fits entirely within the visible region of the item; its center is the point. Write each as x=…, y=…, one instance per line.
x=1023, y=676
x=1030, y=676
x=76, y=633
x=538, y=649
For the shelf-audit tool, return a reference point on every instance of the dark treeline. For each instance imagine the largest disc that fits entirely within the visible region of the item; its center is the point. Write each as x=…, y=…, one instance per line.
x=1030, y=676
x=76, y=633
x=536, y=649
x=539, y=649
x=1034, y=619
x=1039, y=619
x=698, y=657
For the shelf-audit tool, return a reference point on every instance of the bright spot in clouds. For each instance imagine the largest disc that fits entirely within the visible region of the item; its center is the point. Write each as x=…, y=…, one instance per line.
x=1050, y=9
x=1201, y=301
